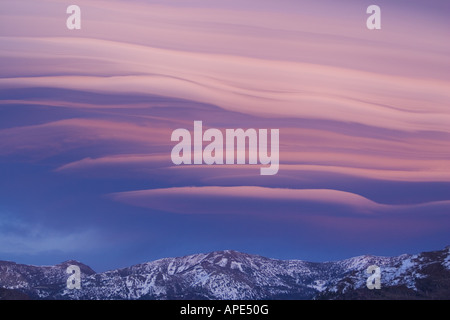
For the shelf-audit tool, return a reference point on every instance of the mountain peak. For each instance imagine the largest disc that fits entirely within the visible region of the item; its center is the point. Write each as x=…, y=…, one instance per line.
x=71, y=262
x=85, y=269
x=229, y=254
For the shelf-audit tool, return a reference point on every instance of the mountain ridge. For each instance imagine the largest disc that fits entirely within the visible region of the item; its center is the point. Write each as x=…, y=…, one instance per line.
x=233, y=275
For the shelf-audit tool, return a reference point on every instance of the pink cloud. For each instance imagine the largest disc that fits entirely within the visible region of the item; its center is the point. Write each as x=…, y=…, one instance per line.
x=277, y=203
x=210, y=55
x=143, y=160
x=261, y=63
x=202, y=200
x=60, y=136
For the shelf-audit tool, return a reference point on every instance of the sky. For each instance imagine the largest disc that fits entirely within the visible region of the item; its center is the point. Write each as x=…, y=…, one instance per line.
x=86, y=118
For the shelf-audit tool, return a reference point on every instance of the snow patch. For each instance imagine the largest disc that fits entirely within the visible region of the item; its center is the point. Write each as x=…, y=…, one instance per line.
x=319, y=285
x=223, y=262
x=171, y=269
x=236, y=265
x=446, y=263
x=201, y=278
x=407, y=264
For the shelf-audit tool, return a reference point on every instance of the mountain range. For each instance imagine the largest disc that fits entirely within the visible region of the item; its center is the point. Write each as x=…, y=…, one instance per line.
x=232, y=275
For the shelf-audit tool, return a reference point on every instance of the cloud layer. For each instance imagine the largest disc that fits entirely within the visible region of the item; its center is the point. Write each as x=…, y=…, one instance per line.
x=363, y=116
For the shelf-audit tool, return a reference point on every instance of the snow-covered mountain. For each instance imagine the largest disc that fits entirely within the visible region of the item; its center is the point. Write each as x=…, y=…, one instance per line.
x=235, y=275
